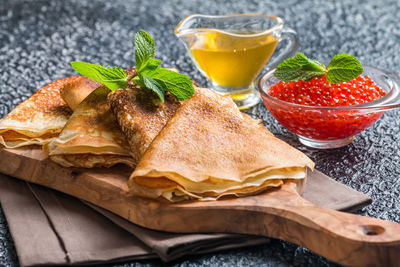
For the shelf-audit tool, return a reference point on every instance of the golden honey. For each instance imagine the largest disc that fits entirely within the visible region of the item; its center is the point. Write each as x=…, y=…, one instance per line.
x=232, y=60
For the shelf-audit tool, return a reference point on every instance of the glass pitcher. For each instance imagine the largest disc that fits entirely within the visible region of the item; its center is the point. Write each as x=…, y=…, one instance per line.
x=232, y=50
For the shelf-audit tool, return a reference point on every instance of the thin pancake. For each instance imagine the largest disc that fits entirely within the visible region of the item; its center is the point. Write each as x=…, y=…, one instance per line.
x=208, y=149
x=91, y=137
x=141, y=116
x=78, y=89
x=36, y=120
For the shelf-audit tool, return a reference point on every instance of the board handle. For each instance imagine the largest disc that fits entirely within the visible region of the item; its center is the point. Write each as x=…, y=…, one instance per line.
x=345, y=238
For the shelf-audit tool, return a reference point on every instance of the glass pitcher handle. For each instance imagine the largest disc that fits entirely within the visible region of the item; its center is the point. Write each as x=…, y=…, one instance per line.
x=290, y=50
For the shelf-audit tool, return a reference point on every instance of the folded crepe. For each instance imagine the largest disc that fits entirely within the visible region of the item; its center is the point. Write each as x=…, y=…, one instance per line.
x=75, y=91
x=141, y=116
x=78, y=89
x=38, y=119
x=208, y=149
x=91, y=137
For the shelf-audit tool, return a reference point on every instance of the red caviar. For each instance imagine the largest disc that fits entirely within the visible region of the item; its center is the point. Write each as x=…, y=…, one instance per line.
x=324, y=124
x=318, y=92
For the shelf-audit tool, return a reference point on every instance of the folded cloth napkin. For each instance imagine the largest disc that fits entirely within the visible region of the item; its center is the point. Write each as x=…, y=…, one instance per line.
x=51, y=228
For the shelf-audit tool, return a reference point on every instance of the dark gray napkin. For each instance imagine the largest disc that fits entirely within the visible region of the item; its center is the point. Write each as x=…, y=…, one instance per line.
x=51, y=228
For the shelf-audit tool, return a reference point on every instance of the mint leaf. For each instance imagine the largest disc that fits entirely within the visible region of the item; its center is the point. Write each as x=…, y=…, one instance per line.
x=152, y=64
x=179, y=85
x=112, y=77
x=299, y=68
x=153, y=85
x=343, y=68
x=144, y=49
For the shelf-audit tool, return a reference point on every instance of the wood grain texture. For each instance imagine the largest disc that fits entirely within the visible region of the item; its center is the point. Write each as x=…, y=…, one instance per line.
x=341, y=237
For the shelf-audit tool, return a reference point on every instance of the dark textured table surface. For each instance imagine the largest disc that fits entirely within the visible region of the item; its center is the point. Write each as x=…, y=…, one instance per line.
x=39, y=38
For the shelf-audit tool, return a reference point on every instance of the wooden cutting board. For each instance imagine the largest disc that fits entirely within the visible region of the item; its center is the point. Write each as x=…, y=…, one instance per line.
x=341, y=237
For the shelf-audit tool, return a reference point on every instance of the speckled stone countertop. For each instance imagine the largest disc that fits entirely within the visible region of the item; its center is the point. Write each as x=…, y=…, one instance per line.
x=39, y=38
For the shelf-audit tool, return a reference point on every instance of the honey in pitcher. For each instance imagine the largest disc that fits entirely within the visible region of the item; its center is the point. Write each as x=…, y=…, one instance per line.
x=232, y=60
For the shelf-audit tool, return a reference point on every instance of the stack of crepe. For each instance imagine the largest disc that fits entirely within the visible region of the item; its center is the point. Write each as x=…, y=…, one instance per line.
x=38, y=119
x=202, y=148
x=70, y=118
x=206, y=150
x=91, y=137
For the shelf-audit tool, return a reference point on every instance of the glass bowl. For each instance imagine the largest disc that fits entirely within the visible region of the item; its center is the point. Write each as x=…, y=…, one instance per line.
x=331, y=127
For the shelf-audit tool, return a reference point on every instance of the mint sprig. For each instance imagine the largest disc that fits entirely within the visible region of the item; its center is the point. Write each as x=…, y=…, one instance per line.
x=148, y=74
x=342, y=68
x=113, y=78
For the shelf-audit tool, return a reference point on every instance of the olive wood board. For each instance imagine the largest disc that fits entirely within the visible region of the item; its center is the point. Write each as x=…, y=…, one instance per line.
x=344, y=238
